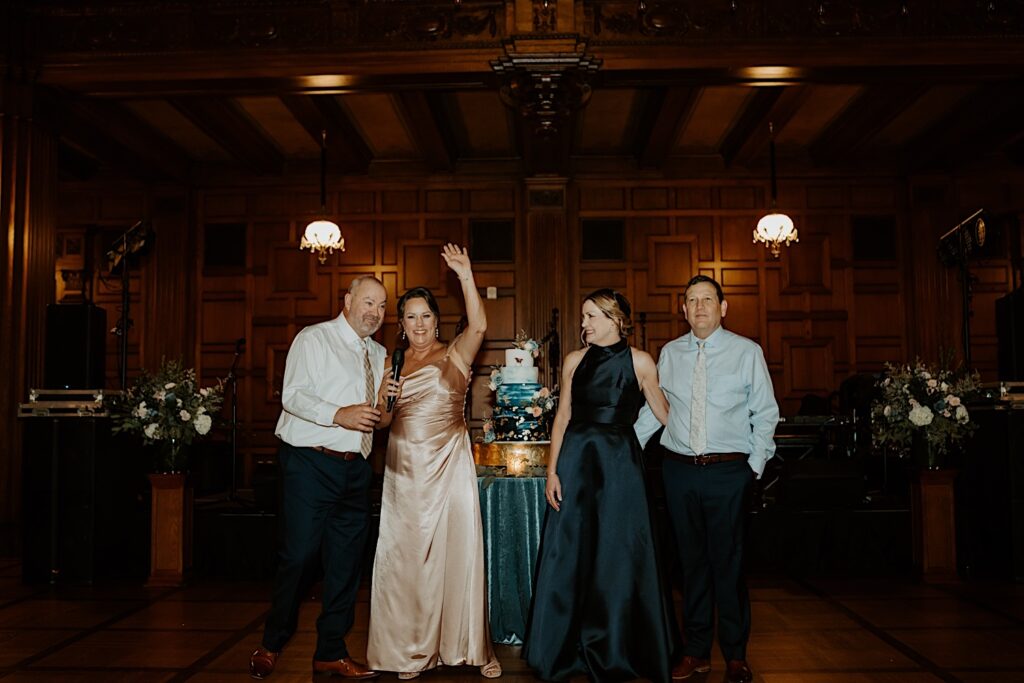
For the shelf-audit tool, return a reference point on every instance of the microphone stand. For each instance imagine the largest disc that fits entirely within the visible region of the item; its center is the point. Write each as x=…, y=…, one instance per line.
x=125, y=322
x=233, y=379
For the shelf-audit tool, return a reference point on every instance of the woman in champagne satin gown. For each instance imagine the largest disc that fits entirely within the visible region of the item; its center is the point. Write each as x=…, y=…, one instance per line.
x=428, y=603
x=600, y=607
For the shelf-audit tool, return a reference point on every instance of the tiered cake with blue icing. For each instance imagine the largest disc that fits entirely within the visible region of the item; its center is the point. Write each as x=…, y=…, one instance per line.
x=516, y=416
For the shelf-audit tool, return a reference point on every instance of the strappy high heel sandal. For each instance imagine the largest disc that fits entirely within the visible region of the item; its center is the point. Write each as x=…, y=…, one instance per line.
x=491, y=669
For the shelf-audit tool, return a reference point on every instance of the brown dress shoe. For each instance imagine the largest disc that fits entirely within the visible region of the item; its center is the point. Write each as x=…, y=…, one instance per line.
x=689, y=666
x=737, y=671
x=261, y=662
x=345, y=668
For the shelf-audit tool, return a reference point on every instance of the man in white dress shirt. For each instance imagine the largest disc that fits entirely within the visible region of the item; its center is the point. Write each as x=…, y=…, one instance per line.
x=721, y=423
x=326, y=431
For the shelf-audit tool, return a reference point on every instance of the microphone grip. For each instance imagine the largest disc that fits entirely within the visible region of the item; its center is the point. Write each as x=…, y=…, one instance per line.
x=397, y=361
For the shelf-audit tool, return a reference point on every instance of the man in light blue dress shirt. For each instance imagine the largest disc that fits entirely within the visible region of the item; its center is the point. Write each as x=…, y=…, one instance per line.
x=722, y=417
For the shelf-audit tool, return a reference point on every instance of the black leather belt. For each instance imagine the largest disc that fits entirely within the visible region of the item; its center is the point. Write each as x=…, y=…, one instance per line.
x=344, y=455
x=706, y=458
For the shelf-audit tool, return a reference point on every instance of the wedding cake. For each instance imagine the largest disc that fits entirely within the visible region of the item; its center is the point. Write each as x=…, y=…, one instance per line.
x=518, y=415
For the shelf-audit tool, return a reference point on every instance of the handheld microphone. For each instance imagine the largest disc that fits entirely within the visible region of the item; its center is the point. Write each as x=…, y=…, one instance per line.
x=397, y=361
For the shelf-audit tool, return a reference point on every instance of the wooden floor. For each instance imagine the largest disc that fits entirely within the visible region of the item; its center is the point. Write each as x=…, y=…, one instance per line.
x=842, y=631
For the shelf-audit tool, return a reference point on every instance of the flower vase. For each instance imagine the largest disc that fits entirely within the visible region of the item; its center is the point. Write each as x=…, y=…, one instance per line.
x=172, y=456
x=170, y=529
x=925, y=453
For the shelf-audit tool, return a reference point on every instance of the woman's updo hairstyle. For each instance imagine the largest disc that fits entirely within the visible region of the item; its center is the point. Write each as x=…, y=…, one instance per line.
x=616, y=307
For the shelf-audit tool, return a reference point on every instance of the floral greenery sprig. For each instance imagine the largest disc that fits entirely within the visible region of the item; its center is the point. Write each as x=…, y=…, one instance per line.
x=524, y=342
x=925, y=400
x=169, y=405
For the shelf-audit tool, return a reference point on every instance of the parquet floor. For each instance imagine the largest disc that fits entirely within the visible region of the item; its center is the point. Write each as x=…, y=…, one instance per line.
x=841, y=631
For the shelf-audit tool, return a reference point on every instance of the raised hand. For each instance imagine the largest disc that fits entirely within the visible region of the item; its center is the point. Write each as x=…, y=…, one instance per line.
x=457, y=259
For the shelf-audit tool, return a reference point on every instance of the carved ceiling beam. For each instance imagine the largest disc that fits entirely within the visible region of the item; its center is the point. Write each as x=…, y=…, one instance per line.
x=434, y=141
x=781, y=111
x=757, y=107
x=990, y=117
x=122, y=125
x=346, y=148
x=225, y=122
x=671, y=106
x=871, y=111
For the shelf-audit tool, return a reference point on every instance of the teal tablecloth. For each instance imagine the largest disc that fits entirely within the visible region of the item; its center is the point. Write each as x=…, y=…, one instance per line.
x=513, y=515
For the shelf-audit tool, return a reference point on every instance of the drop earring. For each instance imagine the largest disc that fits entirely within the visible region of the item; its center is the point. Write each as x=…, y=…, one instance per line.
x=437, y=333
x=403, y=334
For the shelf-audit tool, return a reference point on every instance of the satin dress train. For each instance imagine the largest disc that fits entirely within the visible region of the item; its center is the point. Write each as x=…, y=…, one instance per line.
x=600, y=606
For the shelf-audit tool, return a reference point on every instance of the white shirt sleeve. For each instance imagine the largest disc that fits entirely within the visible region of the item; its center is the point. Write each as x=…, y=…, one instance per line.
x=298, y=397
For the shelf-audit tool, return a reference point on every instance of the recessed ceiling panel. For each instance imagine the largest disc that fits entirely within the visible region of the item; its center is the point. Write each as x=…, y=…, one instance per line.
x=823, y=104
x=484, y=118
x=918, y=117
x=278, y=123
x=605, y=120
x=377, y=119
x=172, y=123
x=712, y=117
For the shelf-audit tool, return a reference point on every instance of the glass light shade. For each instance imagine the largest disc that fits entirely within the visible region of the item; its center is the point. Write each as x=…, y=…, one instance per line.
x=775, y=229
x=322, y=236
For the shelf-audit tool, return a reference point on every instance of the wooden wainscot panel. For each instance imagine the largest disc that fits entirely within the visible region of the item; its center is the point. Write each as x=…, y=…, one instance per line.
x=390, y=281
x=399, y=201
x=595, y=279
x=483, y=397
x=873, y=196
x=123, y=207
x=878, y=315
x=877, y=280
x=704, y=228
x=446, y=230
x=739, y=277
x=262, y=237
x=393, y=232
x=501, y=318
x=277, y=355
x=343, y=284
x=742, y=197
x=807, y=265
x=420, y=266
x=738, y=238
x=743, y=315
x=354, y=201
x=359, y=245
x=444, y=201
x=269, y=204
x=639, y=231
x=643, y=300
x=223, y=321
x=601, y=198
x=971, y=194
x=983, y=309
x=292, y=272
x=693, y=198
x=673, y=261
x=993, y=278
x=221, y=205
x=649, y=198
x=322, y=305
x=874, y=352
x=826, y=196
x=492, y=200
x=306, y=203
x=502, y=279
x=809, y=366
x=75, y=207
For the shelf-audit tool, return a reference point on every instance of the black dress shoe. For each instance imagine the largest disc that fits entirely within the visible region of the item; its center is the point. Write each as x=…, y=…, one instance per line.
x=737, y=671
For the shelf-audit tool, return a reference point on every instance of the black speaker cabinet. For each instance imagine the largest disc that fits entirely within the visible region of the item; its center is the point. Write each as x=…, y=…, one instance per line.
x=990, y=539
x=84, y=502
x=1010, y=332
x=76, y=336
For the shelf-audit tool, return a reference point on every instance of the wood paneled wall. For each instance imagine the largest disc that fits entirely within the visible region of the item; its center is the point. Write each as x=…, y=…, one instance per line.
x=862, y=287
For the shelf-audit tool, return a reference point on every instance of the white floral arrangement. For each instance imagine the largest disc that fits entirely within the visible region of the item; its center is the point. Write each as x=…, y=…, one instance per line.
x=925, y=401
x=168, y=408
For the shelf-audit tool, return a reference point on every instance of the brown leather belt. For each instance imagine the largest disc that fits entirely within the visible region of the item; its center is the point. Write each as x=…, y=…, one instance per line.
x=344, y=455
x=705, y=459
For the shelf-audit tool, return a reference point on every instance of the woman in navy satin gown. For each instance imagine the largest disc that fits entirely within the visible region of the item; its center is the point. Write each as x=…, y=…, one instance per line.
x=600, y=607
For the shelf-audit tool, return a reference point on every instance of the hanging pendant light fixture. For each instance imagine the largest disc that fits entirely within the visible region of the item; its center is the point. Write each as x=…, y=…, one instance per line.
x=774, y=229
x=323, y=235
